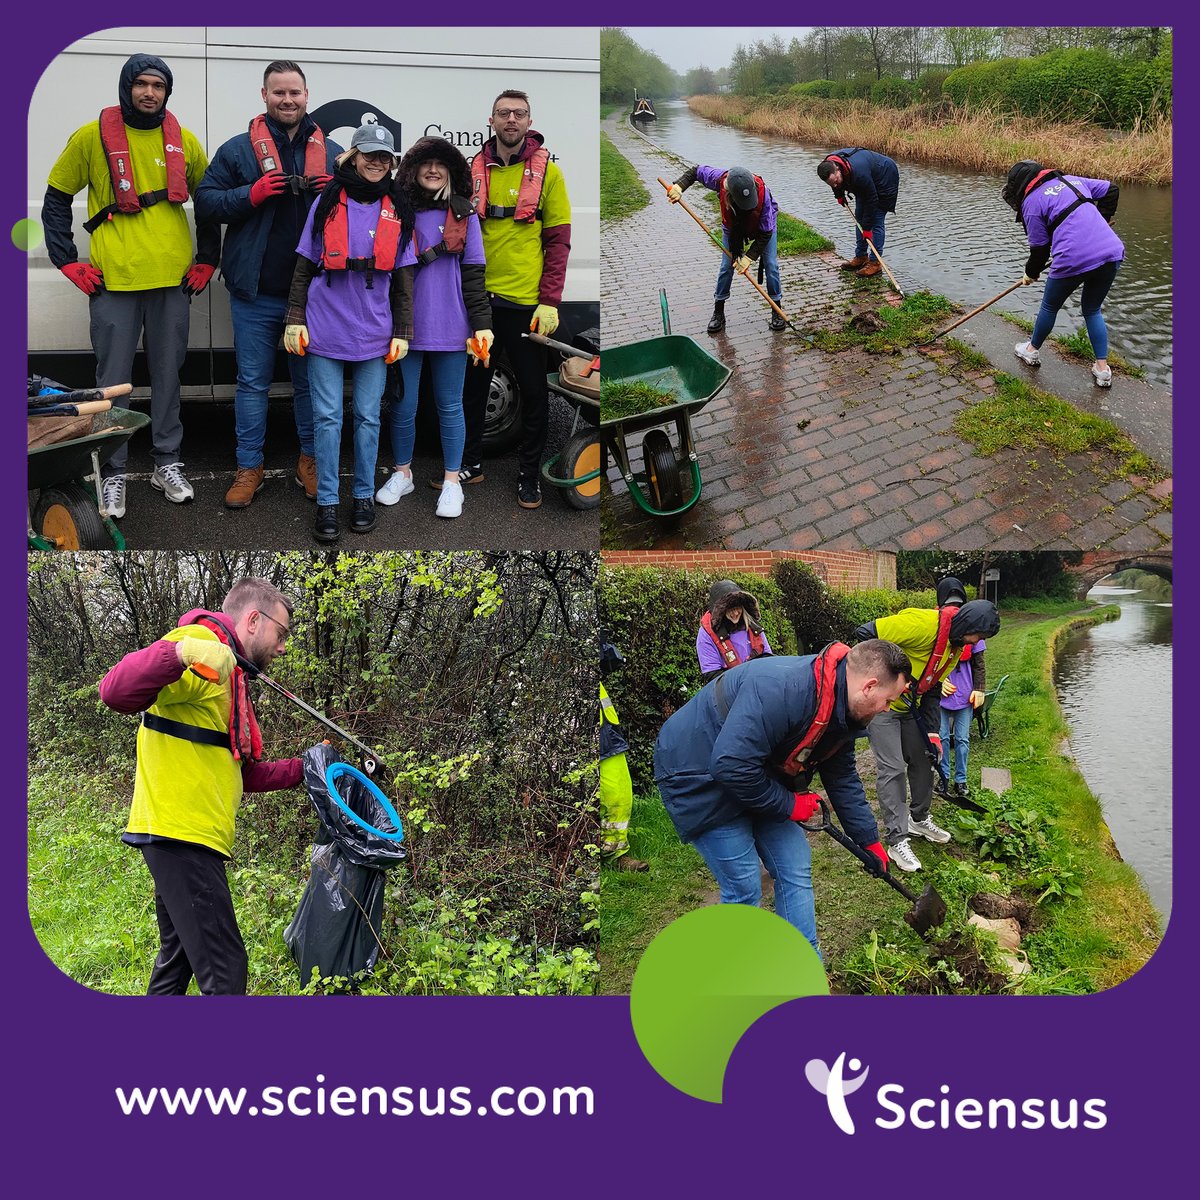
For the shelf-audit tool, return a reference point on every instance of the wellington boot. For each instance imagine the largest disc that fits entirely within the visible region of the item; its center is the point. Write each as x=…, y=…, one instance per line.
x=852, y=264
x=717, y=321
x=628, y=863
x=872, y=268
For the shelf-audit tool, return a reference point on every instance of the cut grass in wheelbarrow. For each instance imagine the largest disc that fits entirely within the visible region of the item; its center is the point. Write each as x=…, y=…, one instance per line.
x=627, y=399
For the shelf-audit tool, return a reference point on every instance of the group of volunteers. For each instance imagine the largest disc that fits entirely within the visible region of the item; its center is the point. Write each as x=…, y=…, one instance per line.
x=735, y=765
x=356, y=258
x=1067, y=219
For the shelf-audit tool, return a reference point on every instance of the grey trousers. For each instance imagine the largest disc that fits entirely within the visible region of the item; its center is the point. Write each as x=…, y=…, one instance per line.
x=899, y=748
x=159, y=318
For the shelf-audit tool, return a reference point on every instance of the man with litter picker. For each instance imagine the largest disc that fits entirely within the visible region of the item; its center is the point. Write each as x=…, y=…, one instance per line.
x=734, y=766
x=748, y=219
x=904, y=739
x=874, y=181
x=198, y=749
x=138, y=165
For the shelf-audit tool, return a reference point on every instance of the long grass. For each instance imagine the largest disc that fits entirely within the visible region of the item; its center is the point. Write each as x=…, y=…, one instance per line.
x=979, y=139
x=621, y=191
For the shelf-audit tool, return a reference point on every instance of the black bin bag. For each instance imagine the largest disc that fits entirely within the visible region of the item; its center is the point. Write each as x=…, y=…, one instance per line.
x=337, y=923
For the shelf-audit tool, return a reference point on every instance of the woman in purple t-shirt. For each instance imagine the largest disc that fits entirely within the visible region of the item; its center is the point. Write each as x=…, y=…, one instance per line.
x=450, y=306
x=358, y=313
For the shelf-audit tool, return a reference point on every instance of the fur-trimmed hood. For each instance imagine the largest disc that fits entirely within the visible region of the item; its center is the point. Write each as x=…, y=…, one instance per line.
x=724, y=595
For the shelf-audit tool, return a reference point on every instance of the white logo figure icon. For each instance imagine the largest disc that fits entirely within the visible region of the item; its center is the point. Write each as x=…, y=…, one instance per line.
x=835, y=1087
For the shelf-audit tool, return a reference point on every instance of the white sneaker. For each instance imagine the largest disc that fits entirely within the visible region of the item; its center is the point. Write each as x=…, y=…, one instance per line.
x=171, y=482
x=901, y=854
x=1026, y=353
x=112, y=496
x=1102, y=378
x=450, y=502
x=399, y=485
x=928, y=830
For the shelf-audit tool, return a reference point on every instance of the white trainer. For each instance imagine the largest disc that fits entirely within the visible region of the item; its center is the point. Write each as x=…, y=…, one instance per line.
x=1102, y=378
x=928, y=830
x=450, y=502
x=112, y=496
x=399, y=485
x=1026, y=353
x=170, y=480
x=901, y=854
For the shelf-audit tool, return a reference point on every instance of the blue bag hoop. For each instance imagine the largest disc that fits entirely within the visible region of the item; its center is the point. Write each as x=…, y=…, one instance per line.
x=334, y=772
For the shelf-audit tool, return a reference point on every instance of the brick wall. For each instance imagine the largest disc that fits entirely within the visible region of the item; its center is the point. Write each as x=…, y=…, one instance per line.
x=844, y=569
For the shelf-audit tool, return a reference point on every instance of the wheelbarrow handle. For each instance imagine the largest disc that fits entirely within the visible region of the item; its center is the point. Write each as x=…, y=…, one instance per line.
x=870, y=863
x=555, y=345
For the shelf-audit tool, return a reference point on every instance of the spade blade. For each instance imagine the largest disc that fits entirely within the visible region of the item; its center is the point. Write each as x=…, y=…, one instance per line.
x=928, y=912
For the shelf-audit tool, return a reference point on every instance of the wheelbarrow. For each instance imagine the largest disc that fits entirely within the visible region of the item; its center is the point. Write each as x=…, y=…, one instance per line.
x=680, y=366
x=575, y=470
x=63, y=508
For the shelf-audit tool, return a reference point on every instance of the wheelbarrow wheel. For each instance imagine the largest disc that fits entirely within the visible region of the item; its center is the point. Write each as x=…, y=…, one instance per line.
x=66, y=516
x=581, y=456
x=662, y=470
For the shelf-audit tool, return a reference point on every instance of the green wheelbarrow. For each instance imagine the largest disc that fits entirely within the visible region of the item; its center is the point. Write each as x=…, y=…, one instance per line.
x=680, y=366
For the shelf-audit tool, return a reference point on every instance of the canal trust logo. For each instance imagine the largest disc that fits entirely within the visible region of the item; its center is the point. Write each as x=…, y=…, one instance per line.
x=832, y=1083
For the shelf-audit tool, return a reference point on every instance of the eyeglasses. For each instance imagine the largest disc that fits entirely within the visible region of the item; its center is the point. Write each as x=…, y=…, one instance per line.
x=381, y=158
x=283, y=629
x=519, y=113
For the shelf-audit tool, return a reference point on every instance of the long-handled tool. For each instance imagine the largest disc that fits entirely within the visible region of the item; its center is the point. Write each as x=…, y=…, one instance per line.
x=81, y=395
x=878, y=256
x=71, y=410
x=939, y=769
x=726, y=251
x=562, y=346
x=928, y=909
x=974, y=312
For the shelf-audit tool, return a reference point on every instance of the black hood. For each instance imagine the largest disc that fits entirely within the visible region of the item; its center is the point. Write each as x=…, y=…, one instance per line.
x=724, y=595
x=976, y=616
x=129, y=72
x=951, y=591
x=1020, y=176
x=611, y=658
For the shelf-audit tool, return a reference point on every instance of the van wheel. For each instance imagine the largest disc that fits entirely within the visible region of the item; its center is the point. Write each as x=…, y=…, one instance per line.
x=66, y=516
x=502, y=416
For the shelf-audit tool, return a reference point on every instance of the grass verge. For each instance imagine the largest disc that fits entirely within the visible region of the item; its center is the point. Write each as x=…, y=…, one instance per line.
x=912, y=322
x=621, y=191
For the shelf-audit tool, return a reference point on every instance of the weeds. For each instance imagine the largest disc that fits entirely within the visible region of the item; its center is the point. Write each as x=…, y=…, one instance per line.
x=621, y=191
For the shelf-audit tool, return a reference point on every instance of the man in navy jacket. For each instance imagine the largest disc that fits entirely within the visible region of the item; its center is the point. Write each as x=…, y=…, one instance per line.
x=874, y=181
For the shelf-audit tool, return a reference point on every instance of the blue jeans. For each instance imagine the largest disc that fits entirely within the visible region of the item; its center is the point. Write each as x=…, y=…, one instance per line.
x=325, y=379
x=447, y=370
x=770, y=261
x=733, y=852
x=878, y=233
x=1095, y=287
x=956, y=721
x=257, y=327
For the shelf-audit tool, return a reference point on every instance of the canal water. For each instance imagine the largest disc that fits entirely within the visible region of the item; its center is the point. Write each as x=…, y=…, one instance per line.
x=1114, y=684
x=952, y=234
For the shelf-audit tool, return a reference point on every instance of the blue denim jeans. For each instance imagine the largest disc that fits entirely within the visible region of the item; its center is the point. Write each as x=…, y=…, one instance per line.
x=1095, y=287
x=325, y=380
x=877, y=233
x=733, y=853
x=956, y=721
x=447, y=370
x=257, y=327
x=770, y=261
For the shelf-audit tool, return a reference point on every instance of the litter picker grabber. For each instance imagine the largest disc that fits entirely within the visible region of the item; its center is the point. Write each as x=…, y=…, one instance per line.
x=878, y=256
x=725, y=251
x=939, y=769
x=928, y=909
x=973, y=312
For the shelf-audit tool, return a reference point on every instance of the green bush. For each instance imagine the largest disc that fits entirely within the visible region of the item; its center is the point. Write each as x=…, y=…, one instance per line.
x=929, y=84
x=893, y=92
x=823, y=89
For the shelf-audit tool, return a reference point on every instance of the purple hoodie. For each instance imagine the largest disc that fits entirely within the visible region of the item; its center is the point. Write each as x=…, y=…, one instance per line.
x=1085, y=240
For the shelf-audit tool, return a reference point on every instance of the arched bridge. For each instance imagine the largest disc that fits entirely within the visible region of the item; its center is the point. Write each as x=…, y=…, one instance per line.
x=1095, y=565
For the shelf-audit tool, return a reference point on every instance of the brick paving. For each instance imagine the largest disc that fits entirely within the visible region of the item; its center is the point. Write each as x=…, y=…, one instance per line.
x=803, y=448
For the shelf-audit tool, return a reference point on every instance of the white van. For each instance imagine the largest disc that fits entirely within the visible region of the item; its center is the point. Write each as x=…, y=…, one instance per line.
x=417, y=82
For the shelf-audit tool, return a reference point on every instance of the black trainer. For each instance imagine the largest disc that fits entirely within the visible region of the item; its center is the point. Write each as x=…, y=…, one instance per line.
x=466, y=475
x=327, y=528
x=777, y=322
x=717, y=321
x=529, y=492
x=363, y=520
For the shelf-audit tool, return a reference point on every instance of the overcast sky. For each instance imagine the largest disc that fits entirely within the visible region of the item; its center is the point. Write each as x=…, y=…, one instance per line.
x=682, y=49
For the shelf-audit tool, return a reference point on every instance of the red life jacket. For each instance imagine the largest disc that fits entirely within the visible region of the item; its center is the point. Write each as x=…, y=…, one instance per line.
x=825, y=666
x=529, y=195
x=454, y=233
x=263, y=145
x=115, y=141
x=336, y=237
x=931, y=674
x=747, y=219
x=729, y=655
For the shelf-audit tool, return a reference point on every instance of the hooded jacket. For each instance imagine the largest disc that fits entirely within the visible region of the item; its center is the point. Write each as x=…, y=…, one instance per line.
x=722, y=596
x=874, y=182
x=712, y=769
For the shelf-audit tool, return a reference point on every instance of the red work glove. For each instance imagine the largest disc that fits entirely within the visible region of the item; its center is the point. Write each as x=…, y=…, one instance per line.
x=841, y=200
x=936, y=743
x=266, y=186
x=805, y=804
x=198, y=278
x=88, y=279
x=868, y=235
x=876, y=848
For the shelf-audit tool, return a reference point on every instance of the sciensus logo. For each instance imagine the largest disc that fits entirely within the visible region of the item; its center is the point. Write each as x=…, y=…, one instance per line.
x=840, y=1080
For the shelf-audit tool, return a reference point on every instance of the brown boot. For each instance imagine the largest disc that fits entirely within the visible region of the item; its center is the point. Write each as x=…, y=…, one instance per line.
x=852, y=264
x=872, y=268
x=628, y=863
x=306, y=475
x=246, y=484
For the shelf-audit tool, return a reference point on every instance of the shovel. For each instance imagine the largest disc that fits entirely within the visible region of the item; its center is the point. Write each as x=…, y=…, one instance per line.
x=928, y=909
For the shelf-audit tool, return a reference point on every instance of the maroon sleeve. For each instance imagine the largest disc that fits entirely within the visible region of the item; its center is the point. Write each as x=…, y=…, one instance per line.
x=556, y=245
x=134, y=683
x=273, y=776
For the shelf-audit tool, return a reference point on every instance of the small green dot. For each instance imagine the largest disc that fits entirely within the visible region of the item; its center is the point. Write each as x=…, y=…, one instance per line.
x=27, y=235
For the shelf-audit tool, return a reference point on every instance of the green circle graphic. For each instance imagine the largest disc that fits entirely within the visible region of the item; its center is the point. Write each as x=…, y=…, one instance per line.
x=27, y=235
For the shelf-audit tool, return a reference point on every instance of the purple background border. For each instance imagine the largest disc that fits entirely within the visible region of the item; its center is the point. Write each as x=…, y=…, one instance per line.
x=68, y=1047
